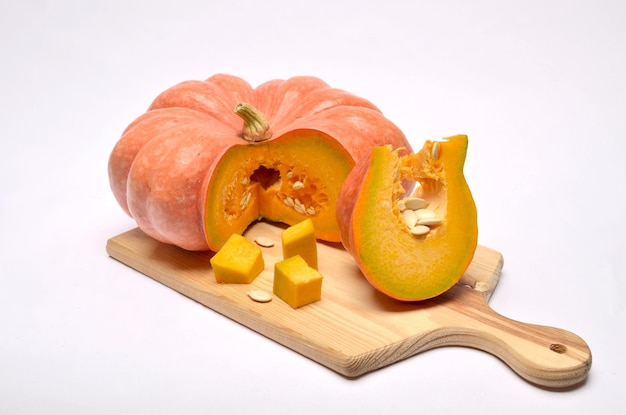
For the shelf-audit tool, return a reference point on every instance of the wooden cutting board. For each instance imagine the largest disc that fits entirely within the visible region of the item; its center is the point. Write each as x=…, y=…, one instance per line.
x=354, y=329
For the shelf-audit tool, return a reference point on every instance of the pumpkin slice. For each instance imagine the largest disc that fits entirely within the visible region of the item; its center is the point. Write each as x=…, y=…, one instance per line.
x=397, y=255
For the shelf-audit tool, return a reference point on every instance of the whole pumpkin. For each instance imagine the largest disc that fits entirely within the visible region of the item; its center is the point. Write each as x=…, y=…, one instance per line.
x=210, y=157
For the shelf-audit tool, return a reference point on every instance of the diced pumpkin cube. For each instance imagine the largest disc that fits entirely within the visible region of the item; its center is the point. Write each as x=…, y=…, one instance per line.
x=299, y=239
x=296, y=283
x=239, y=261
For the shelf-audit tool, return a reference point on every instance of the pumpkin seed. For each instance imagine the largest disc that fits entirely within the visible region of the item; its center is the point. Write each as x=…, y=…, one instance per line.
x=429, y=221
x=289, y=201
x=424, y=214
x=299, y=207
x=481, y=286
x=415, y=203
x=297, y=185
x=289, y=174
x=435, y=150
x=260, y=296
x=410, y=218
x=264, y=242
x=245, y=199
x=310, y=211
x=419, y=230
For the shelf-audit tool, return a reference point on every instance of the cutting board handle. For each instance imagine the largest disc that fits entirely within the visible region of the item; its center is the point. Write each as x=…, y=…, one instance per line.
x=546, y=356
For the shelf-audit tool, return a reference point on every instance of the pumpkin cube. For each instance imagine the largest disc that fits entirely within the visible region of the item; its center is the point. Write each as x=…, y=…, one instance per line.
x=239, y=261
x=296, y=283
x=299, y=239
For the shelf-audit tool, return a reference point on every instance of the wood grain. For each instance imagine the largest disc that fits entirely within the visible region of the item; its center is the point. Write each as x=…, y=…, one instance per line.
x=354, y=329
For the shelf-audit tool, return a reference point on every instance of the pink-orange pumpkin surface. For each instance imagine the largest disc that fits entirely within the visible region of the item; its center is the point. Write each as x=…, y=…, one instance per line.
x=210, y=157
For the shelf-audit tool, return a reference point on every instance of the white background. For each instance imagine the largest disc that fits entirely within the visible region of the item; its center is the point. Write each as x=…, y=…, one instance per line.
x=539, y=87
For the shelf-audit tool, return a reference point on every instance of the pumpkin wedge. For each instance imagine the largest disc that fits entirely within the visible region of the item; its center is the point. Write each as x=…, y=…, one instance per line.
x=210, y=157
x=410, y=248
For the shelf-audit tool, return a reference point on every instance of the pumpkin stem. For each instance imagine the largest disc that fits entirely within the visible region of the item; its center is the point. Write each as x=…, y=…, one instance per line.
x=255, y=126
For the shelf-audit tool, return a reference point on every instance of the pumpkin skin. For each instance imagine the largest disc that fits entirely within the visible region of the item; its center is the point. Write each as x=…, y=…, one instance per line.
x=397, y=263
x=191, y=171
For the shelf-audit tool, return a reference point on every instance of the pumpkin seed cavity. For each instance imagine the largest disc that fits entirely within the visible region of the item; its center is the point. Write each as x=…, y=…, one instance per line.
x=265, y=176
x=297, y=192
x=302, y=195
x=418, y=219
x=414, y=211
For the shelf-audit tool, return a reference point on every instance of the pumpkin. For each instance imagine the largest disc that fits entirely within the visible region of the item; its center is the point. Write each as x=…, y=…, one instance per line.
x=239, y=261
x=299, y=239
x=297, y=283
x=410, y=248
x=210, y=157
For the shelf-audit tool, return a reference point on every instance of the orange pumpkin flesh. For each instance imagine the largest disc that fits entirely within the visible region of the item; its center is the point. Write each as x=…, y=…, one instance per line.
x=191, y=171
x=268, y=172
x=405, y=266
